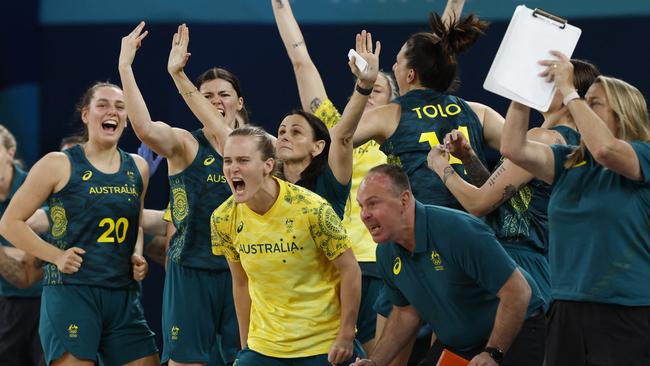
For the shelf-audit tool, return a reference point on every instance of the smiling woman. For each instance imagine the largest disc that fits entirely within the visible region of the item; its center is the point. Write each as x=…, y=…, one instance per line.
x=88, y=278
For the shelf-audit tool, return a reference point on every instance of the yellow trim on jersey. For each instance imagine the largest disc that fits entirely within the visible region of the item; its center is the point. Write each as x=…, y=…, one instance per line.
x=286, y=254
x=364, y=158
x=167, y=216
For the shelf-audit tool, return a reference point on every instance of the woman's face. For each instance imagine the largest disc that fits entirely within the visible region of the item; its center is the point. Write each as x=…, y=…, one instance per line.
x=223, y=96
x=6, y=162
x=296, y=141
x=401, y=71
x=105, y=116
x=598, y=102
x=381, y=93
x=243, y=167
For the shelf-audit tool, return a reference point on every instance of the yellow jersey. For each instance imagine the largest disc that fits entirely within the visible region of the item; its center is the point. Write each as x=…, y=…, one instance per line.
x=286, y=254
x=364, y=158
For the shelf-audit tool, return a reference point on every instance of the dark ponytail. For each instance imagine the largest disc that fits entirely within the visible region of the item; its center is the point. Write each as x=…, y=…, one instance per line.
x=433, y=55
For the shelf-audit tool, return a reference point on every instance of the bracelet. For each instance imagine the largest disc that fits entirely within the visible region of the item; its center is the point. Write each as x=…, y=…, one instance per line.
x=186, y=94
x=363, y=91
x=569, y=97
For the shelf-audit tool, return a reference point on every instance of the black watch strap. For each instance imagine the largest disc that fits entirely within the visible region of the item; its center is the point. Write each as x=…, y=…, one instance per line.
x=495, y=353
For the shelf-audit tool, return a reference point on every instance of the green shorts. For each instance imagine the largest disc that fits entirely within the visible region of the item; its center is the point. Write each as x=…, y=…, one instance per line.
x=248, y=357
x=371, y=285
x=88, y=321
x=198, y=312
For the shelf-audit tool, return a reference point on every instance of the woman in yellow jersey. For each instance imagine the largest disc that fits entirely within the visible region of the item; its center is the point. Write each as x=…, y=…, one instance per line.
x=314, y=98
x=296, y=283
x=312, y=156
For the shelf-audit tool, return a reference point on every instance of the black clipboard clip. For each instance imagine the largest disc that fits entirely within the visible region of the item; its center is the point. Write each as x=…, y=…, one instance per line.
x=560, y=22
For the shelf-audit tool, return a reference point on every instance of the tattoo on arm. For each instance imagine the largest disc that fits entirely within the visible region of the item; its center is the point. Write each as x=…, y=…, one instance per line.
x=448, y=172
x=315, y=103
x=493, y=179
x=298, y=44
x=508, y=192
x=279, y=4
x=477, y=174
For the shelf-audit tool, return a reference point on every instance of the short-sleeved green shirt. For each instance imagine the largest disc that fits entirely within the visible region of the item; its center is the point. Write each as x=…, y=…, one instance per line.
x=453, y=276
x=599, y=221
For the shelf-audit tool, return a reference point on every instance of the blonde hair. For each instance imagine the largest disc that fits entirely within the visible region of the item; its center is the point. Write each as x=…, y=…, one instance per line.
x=630, y=109
x=9, y=142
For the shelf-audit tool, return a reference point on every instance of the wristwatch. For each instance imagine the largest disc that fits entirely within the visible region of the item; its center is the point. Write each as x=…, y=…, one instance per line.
x=495, y=353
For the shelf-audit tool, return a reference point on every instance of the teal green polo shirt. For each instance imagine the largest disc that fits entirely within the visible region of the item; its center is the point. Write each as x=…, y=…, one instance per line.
x=6, y=288
x=599, y=244
x=453, y=276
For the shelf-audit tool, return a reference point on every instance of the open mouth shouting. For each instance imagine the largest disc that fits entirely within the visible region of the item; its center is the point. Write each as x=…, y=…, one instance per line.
x=109, y=125
x=238, y=186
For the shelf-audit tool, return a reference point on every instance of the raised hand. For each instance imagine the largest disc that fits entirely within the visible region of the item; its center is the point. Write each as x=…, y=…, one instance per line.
x=147, y=155
x=70, y=261
x=438, y=159
x=178, y=54
x=364, y=48
x=130, y=44
x=457, y=145
x=559, y=71
x=140, y=267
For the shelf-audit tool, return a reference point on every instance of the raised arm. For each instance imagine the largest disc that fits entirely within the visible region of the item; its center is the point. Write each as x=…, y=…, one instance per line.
x=161, y=137
x=48, y=175
x=607, y=149
x=506, y=180
x=340, y=154
x=205, y=112
x=492, y=123
x=453, y=10
x=535, y=157
x=310, y=85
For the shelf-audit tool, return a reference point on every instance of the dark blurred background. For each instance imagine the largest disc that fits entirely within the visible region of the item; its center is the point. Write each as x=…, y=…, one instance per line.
x=52, y=50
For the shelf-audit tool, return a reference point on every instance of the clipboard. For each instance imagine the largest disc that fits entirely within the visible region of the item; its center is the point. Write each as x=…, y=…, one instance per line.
x=530, y=36
x=448, y=358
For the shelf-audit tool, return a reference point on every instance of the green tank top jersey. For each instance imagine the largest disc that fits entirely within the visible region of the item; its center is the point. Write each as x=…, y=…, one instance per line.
x=571, y=136
x=522, y=221
x=426, y=117
x=99, y=213
x=195, y=193
x=7, y=289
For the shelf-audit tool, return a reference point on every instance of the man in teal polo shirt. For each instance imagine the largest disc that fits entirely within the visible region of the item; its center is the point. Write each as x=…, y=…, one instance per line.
x=447, y=267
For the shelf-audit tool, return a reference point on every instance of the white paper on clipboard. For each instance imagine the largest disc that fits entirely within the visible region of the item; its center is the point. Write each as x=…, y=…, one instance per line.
x=529, y=38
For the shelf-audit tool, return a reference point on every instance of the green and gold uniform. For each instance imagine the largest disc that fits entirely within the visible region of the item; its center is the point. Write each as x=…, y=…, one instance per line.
x=521, y=225
x=19, y=308
x=426, y=118
x=95, y=311
x=452, y=277
x=599, y=254
x=599, y=242
x=195, y=278
x=287, y=254
x=364, y=158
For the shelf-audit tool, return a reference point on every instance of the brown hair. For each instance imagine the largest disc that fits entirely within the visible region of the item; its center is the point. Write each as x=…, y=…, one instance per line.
x=223, y=74
x=433, y=55
x=87, y=97
x=398, y=178
x=265, y=143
